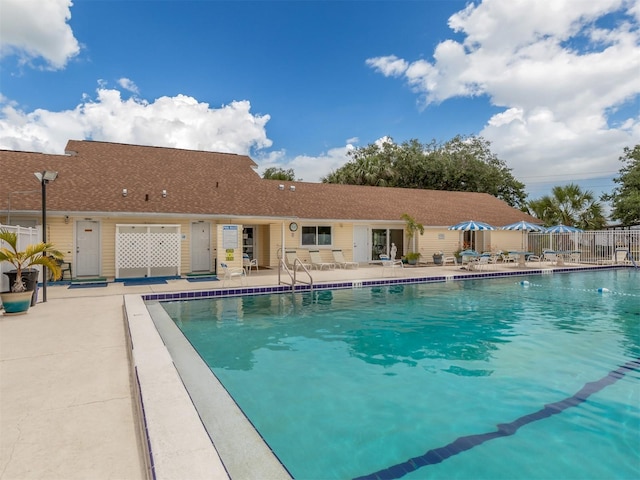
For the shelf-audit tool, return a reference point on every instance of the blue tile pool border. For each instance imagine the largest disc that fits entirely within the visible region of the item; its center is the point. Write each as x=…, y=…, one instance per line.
x=264, y=290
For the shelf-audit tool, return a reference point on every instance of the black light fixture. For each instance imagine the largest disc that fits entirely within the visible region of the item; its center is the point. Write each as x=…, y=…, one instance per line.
x=44, y=178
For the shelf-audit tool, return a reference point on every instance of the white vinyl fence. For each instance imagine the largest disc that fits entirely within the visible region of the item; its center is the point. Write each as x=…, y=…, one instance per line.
x=26, y=236
x=595, y=247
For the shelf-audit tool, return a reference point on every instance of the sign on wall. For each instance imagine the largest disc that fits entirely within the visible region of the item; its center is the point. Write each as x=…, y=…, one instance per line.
x=230, y=237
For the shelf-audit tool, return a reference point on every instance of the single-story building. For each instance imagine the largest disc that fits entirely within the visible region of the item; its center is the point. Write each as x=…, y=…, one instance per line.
x=120, y=211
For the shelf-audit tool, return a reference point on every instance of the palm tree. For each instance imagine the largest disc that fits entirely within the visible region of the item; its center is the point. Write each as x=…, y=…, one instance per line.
x=569, y=205
x=33, y=254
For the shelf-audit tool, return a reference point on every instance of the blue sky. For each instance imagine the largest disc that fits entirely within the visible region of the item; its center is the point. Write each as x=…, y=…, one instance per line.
x=297, y=84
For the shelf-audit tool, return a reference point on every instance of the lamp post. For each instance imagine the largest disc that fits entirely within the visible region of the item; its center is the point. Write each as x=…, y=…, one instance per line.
x=44, y=178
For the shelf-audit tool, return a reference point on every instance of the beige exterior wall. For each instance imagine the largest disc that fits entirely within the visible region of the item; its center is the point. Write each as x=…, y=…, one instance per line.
x=437, y=240
x=269, y=240
x=506, y=240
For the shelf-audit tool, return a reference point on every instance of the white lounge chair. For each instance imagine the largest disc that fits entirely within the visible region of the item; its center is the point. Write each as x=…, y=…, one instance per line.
x=249, y=263
x=390, y=264
x=449, y=259
x=317, y=262
x=233, y=273
x=621, y=256
x=340, y=261
x=290, y=257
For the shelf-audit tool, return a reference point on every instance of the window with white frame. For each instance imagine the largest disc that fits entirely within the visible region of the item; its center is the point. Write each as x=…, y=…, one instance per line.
x=316, y=236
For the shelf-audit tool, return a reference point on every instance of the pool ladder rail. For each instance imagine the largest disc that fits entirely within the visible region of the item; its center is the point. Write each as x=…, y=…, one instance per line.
x=293, y=277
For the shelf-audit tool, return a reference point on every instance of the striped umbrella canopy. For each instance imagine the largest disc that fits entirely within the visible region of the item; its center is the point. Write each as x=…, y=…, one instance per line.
x=472, y=225
x=563, y=229
x=522, y=225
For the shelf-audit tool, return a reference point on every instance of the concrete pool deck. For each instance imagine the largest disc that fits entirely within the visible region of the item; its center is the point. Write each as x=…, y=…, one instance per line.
x=68, y=406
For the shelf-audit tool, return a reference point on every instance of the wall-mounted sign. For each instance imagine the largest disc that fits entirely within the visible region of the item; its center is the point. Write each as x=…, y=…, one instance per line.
x=229, y=236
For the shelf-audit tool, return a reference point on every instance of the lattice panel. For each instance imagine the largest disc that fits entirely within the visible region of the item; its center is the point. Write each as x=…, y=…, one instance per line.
x=132, y=250
x=165, y=249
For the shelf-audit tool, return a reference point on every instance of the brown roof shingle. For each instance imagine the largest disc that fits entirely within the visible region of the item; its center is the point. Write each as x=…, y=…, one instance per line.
x=92, y=177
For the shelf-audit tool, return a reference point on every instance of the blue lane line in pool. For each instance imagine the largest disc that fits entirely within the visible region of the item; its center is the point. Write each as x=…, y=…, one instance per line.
x=462, y=444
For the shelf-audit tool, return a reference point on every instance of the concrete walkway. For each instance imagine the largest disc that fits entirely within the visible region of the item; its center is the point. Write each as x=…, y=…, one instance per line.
x=66, y=403
x=66, y=408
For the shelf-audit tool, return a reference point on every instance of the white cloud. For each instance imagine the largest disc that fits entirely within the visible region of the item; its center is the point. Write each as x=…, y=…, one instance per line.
x=390, y=66
x=129, y=85
x=559, y=74
x=180, y=122
x=37, y=29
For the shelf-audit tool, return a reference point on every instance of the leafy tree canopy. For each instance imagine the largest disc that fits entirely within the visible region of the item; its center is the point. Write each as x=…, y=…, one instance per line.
x=461, y=164
x=625, y=198
x=277, y=173
x=569, y=205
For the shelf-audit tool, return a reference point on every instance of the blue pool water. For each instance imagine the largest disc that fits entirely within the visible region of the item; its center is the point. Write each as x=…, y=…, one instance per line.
x=480, y=379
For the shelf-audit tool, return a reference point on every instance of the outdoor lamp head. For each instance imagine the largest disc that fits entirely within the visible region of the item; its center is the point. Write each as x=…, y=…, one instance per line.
x=50, y=176
x=46, y=176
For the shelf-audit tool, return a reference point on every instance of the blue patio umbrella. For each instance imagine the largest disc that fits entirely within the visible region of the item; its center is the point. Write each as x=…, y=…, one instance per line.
x=563, y=229
x=524, y=227
x=471, y=225
x=562, y=241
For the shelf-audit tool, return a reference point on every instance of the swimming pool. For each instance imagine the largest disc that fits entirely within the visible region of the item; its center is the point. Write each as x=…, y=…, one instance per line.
x=469, y=379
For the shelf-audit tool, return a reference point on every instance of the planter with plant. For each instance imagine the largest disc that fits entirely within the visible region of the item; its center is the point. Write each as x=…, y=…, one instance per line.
x=412, y=257
x=437, y=258
x=411, y=229
x=18, y=298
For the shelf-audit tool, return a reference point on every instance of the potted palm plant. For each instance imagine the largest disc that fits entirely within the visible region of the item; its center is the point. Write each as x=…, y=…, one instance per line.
x=18, y=298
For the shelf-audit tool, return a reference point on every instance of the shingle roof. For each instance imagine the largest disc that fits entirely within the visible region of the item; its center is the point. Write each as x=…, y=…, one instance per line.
x=93, y=175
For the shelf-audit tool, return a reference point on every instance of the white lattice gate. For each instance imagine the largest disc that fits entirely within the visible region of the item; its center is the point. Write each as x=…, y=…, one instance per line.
x=147, y=251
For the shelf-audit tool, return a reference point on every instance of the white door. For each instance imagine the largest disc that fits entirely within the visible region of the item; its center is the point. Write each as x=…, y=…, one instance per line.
x=200, y=247
x=361, y=244
x=87, y=248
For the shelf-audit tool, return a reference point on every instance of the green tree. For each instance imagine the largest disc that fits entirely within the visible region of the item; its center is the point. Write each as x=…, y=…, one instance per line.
x=625, y=198
x=277, y=173
x=569, y=205
x=460, y=164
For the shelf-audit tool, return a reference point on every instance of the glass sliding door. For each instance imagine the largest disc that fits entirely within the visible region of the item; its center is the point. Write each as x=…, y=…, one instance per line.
x=378, y=243
x=381, y=240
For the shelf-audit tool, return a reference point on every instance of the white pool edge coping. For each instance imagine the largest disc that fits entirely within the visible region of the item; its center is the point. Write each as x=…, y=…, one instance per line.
x=178, y=444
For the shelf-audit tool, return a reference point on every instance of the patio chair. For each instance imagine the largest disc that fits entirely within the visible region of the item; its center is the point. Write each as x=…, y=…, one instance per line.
x=249, y=263
x=621, y=256
x=233, y=273
x=509, y=257
x=574, y=257
x=549, y=256
x=316, y=260
x=534, y=258
x=340, y=261
x=479, y=263
x=64, y=267
x=390, y=264
x=449, y=259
